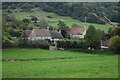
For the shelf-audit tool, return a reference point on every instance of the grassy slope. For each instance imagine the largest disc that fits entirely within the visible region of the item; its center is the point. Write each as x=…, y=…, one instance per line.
x=94, y=67
x=54, y=21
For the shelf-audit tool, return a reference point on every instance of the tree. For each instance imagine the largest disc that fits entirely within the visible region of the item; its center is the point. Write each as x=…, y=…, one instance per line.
x=115, y=31
x=10, y=18
x=6, y=40
x=115, y=44
x=26, y=21
x=42, y=24
x=102, y=33
x=51, y=28
x=11, y=31
x=23, y=40
x=26, y=27
x=64, y=29
x=75, y=25
x=92, y=38
x=34, y=19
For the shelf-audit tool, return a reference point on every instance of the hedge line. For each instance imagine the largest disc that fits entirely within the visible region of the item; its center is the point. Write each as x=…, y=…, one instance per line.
x=67, y=44
x=24, y=43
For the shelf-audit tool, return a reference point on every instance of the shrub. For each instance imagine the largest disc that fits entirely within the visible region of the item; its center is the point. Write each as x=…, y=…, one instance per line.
x=39, y=44
x=6, y=44
x=6, y=41
x=53, y=44
x=70, y=44
x=115, y=44
x=22, y=42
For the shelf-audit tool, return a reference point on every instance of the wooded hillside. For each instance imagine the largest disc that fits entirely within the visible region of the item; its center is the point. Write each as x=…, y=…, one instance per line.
x=76, y=10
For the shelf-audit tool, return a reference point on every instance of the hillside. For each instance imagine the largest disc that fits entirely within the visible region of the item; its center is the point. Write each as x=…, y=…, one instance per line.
x=40, y=14
x=76, y=10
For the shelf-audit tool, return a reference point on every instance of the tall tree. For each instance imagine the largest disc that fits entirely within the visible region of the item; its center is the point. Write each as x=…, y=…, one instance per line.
x=92, y=38
x=63, y=28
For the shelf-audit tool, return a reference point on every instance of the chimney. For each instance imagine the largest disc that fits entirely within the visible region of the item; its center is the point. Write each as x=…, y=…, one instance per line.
x=85, y=28
x=48, y=28
x=59, y=31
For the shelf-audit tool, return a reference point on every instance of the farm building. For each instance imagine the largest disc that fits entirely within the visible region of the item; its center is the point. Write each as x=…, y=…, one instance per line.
x=105, y=44
x=56, y=36
x=77, y=32
x=43, y=34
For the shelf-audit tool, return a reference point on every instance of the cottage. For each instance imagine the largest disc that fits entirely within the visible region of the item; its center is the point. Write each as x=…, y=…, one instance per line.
x=43, y=34
x=38, y=34
x=77, y=32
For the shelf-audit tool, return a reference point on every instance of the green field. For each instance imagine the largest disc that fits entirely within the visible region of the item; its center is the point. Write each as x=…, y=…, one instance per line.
x=54, y=21
x=58, y=64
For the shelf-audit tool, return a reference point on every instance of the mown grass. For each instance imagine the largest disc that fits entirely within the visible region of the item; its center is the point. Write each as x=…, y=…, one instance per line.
x=54, y=21
x=96, y=66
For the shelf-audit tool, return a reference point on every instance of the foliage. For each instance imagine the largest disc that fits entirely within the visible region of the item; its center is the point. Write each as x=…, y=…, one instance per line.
x=115, y=44
x=115, y=30
x=64, y=29
x=71, y=44
x=52, y=44
x=92, y=38
x=75, y=10
x=26, y=21
x=42, y=24
x=35, y=19
x=26, y=27
x=23, y=41
x=75, y=25
x=39, y=44
x=6, y=40
x=81, y=10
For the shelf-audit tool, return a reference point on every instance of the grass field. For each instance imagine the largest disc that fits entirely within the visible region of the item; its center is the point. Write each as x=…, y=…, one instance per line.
x=58, y=64
x=54, y=21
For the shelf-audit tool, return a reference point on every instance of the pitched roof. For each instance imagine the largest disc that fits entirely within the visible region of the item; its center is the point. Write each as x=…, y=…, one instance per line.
x=42, y=32
x=28, y=32
x=76, y=30
x=105, y=43
x=56, y=35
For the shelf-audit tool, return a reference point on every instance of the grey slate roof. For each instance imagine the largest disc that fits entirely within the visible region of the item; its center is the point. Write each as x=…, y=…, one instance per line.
x=56, y=35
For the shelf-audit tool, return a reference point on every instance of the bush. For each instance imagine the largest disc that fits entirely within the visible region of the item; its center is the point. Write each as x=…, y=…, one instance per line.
x=7, y=41
x=40, y=44
x=53, y=44
x=105, y=51
x=24, y=43
x=71, y=44
x=6, y=44
x=115, y=44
